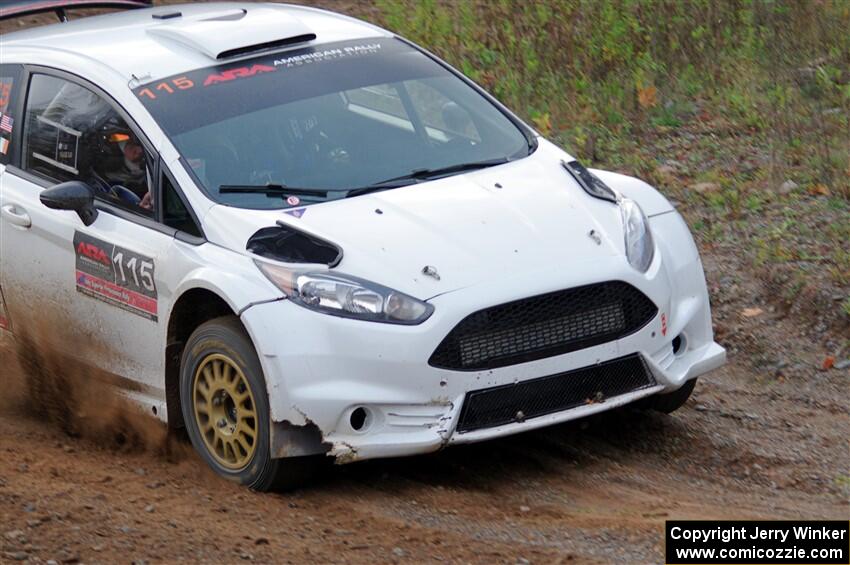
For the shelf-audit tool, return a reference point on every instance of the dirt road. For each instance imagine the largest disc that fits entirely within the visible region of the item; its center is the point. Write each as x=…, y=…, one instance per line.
x=765, y=437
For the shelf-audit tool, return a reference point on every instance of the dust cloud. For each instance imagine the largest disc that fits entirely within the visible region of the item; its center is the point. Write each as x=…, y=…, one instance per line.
x=37, y=381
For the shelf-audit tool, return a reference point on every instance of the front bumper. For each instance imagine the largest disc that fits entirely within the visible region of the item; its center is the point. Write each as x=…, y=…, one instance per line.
x=320, y=368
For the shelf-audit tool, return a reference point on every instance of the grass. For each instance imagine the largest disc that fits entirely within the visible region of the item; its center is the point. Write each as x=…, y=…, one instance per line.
x=744, y=94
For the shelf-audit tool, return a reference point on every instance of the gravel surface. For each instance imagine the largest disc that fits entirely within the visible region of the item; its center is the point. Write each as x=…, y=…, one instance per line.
x=764, y=437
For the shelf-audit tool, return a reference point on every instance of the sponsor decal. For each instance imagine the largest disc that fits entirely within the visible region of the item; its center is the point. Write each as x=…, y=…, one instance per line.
x=6, y=122
x=328, y=54
x=116, y=276
x=241, y=72
x=663, y=324
x=93, y=253
x=164, y=88
x=4, y=145
x=6, y=84
x=173, y=85
x=297, y=213
x=169, y=86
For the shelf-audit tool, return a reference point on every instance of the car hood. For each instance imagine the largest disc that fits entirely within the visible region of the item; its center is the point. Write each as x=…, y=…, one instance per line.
x=524, y=216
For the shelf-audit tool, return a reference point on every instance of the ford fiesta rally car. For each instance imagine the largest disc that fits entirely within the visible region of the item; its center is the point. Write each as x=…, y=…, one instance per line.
x=299, y=235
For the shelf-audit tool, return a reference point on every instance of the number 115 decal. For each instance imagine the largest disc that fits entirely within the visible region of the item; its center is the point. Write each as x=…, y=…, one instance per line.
x=115, y=275
x=167, y=87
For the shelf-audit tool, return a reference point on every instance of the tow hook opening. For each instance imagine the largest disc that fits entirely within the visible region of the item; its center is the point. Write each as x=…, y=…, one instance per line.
x=359, y=419
x=680, y=345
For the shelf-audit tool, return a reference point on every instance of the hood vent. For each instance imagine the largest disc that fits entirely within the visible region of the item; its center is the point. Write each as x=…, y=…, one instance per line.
x=232, y=33
x=289, y=245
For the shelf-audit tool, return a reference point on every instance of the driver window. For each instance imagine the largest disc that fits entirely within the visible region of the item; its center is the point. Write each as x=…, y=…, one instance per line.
x=74, y=134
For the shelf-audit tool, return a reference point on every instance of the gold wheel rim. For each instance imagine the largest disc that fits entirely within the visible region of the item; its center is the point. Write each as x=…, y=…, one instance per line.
x=225, y=411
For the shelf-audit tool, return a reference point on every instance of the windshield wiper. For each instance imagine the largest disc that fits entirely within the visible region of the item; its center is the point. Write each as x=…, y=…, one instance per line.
x=270, y=188
x=425, y=174
x=396, y=182
x=379, y=186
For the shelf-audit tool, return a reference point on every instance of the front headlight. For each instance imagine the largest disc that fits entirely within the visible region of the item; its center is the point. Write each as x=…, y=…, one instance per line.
x=346, y=296
x=640, y=248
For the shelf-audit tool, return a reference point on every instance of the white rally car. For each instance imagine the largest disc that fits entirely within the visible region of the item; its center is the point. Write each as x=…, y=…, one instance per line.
x=298, y=235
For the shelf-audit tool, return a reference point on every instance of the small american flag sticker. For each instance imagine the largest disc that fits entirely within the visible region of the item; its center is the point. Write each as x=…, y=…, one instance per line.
x=6, y=123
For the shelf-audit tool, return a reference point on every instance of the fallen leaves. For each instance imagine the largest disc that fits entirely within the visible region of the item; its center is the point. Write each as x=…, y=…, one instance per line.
x=647, y=96
x=752, y=312
x=819, y=189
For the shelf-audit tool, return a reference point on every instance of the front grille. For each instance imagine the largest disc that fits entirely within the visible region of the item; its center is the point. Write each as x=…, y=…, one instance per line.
x=544, y=326
x=522, y=401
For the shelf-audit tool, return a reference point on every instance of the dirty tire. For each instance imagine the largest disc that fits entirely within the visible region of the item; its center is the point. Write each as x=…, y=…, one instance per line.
x=224, y=400
x=672, y=401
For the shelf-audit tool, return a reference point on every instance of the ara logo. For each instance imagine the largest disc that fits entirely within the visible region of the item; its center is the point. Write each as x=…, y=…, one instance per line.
x=93, y=252
x=241, y=72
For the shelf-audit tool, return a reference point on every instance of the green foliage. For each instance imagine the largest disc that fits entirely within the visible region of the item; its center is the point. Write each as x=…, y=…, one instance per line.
x=744, y=94
x=626, y=65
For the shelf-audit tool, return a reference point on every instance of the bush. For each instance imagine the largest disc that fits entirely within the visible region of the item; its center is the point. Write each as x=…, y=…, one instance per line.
x=584, y=70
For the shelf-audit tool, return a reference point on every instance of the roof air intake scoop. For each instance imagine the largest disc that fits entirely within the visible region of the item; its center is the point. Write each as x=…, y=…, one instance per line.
x=232, y=33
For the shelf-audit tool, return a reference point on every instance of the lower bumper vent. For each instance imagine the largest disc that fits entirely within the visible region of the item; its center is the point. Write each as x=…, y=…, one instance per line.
x=522, y=401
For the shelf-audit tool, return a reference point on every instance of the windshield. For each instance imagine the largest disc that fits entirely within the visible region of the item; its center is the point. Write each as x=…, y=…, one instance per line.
x=317, y=124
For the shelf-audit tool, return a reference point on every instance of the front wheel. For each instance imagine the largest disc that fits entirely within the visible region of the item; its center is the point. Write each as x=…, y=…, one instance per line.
x=226, y=408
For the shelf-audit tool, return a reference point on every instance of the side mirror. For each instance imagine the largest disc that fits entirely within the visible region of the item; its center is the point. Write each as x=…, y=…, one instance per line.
x=74, y=195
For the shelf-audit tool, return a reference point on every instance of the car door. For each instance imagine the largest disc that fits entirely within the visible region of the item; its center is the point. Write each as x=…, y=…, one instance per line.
x=94, y=292
x=10, y=85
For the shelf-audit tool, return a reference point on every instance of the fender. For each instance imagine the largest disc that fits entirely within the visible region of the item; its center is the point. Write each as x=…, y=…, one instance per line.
x=231, y=275
x=238, y=291
x=651, y=201
x=684, y=267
